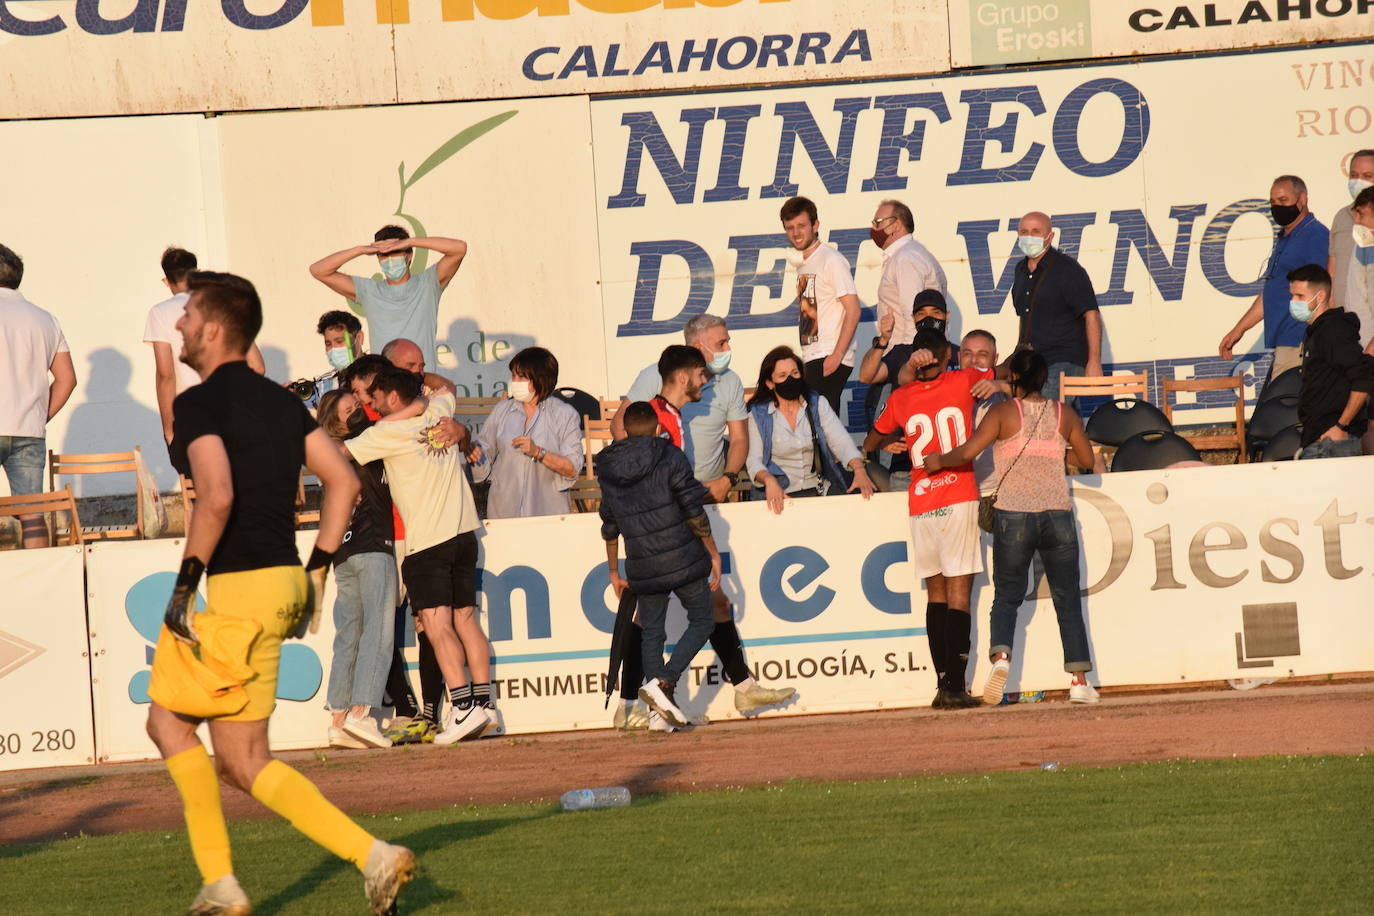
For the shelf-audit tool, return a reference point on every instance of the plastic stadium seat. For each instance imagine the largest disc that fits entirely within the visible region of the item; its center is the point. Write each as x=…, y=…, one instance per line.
x=1269, y=419
x=1152, y=451
x=1286, y=385
x=586, y=404
x=1120, y=419
x=1284, y=446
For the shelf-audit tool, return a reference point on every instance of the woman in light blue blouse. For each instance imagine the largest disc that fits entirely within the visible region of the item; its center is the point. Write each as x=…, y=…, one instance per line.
x=797, y=445
x=531, y=445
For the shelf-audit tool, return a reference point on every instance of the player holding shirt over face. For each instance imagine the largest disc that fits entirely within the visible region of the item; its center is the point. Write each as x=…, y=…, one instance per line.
x=934, y=414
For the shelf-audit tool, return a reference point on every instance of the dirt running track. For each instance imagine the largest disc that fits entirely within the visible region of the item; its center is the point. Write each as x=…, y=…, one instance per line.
x=37, y=805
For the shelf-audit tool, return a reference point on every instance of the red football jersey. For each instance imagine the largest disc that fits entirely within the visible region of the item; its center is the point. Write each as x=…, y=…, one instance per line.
x=934, y=418
x=669, y=417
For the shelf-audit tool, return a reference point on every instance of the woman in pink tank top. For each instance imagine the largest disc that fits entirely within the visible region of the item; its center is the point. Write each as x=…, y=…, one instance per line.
x=1033, y=515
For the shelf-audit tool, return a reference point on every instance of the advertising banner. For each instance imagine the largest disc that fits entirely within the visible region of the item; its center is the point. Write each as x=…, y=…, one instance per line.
x=235, y=55
x=996, y=32
x=1181, y=584
x=1137, y=166
x=45, y=668
x=129, y=585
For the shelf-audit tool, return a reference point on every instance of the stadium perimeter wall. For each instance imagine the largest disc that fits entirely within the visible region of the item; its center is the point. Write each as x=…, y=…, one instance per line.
x=1189, y=575
x=598, y=224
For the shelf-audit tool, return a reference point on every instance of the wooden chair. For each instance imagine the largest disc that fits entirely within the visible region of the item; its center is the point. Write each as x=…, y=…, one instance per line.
x=188, y=500
x=596, y=435
x=1125, y=385
x=43, y=503
x=609, y=408
x=1214, y=442
x=304, y=515
x=102, y=463
x=475, y=407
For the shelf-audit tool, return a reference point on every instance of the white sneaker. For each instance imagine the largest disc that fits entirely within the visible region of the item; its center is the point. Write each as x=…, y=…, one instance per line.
x=462, y=723
x=366, y=731
x=340, y=738
x=658, y=700
x=630, y=715
x=659, y=724
x=758, y=697
x=223, y=898
x=389, y=868
x=995, y=687
x=699, y=719
x=493, y=727
x=1083, y=693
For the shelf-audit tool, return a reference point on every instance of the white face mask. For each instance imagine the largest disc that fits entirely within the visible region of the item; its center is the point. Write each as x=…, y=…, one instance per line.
x=522, y=391
x=1363, y=235
x=1356, y=185
x=1032, y=246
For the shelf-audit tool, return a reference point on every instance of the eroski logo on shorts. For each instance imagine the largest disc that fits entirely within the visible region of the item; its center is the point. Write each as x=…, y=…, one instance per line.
x=145, y=604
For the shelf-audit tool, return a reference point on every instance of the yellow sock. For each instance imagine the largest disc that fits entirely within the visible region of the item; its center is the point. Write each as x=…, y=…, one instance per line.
x=295, y=798
x=195, y=777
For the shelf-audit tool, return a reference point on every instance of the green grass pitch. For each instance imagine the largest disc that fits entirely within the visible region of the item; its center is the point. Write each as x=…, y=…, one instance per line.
x=1275, y=835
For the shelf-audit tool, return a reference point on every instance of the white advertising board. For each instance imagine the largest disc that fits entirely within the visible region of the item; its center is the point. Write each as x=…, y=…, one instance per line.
x=1190, y=575
x=129, y=585
x=45, y=668
x=993, y=32
x=1135, y=162
x=176, y=56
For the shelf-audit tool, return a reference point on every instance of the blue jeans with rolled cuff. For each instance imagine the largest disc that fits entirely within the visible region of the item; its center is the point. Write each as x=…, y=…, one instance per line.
x=1016, y=538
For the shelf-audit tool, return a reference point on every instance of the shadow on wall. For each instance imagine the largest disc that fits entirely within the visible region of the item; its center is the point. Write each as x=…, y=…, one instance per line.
x=478, y=361
x=110, y=420
x=278, y=363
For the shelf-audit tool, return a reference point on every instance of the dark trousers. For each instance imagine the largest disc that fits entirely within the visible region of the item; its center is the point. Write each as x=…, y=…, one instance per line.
x=1016, y=538
x=653, y=616
x=830, y=386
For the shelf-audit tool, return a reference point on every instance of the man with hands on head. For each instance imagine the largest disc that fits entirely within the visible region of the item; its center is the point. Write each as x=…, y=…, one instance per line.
x=399, y=304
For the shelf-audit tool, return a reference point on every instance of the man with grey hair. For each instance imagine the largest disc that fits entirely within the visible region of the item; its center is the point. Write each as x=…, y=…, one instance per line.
x=32, y=347
x=716, y=440
x=908, y=268
x=1301, y=239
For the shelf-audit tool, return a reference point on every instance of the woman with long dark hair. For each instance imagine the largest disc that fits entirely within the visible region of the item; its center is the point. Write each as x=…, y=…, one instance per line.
x=1032, y=515
x=797, y=445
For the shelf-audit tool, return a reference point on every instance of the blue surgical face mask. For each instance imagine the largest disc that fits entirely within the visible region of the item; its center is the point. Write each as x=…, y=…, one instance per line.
x=720, y=362
x=1300, y=310
x=338, y=357
x=394, y=268
x=1032, y=246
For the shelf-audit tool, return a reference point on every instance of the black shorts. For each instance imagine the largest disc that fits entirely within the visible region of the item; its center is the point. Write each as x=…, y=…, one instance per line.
x=444, y=575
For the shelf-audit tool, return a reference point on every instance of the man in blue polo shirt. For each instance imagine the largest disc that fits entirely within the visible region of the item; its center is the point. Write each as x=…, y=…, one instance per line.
x=1302, y=239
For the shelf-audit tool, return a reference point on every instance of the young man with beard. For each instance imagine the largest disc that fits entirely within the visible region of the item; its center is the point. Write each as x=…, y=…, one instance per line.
x=242, y=439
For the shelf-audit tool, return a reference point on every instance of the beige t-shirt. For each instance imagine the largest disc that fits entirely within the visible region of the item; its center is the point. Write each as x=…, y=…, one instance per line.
x=427, y=482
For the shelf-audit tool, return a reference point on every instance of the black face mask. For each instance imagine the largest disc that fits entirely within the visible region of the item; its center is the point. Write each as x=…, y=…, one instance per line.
x=357, y=423
x=790, y=388
x=1284, y=215
x=935, y=324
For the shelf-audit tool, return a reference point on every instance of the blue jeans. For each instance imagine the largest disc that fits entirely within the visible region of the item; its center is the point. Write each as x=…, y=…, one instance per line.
x=653, y=615
x=23, y=458
x=1016, y=538
x=1051, y=389
x=364, y=630
x=1329, y=448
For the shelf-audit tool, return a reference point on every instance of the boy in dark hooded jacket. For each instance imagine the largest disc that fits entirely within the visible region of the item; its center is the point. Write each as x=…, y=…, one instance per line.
x=651, y=498
x=1337, y=377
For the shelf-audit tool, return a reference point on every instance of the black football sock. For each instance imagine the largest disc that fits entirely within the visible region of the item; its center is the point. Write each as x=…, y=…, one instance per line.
x=730, y=650
x=431, y=679
x=935, y=636
x=398, y=690
x=461, y=697
x=632, y=665
x=958, y=627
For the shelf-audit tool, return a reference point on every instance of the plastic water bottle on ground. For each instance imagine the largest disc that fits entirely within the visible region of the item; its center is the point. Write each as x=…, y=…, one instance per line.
x=603, y=797
x=1051, y=766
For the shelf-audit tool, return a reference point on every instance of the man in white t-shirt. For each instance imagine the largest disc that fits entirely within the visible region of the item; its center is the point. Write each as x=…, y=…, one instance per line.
x=827, y=301
x=430, y=488
x=32, y=347
x=400, y=304
x=160, y=330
